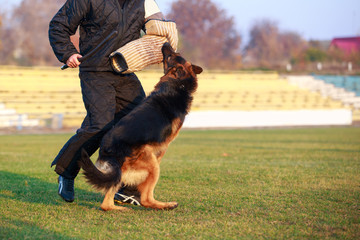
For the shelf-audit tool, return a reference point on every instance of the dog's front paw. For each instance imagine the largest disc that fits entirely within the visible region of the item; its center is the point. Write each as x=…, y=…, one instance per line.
x=159, y=205
x=114, y=207
x=171, y=205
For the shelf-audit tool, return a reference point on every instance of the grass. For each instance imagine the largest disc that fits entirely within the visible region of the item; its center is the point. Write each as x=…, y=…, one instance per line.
x=238, y=184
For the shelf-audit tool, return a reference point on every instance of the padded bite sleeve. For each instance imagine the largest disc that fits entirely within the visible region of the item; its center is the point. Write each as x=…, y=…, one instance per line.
x=138, y=54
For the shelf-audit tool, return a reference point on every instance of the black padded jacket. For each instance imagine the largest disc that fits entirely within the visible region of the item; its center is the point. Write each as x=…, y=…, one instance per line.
x=97, y=19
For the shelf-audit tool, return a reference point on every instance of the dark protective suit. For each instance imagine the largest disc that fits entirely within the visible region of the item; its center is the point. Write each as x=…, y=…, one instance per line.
x=97, y=19
x=107, y=96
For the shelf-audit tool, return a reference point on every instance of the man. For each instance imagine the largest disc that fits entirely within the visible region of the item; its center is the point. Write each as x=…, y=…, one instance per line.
x=107, y=95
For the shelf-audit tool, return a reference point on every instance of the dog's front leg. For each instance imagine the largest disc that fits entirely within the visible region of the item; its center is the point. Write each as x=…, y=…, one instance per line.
x=108, y=203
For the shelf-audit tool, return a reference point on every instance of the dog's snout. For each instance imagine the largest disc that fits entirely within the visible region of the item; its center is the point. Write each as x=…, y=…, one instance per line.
x=167, y=50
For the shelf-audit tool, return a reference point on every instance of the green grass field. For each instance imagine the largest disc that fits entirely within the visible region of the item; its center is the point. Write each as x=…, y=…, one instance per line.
x=301, y=183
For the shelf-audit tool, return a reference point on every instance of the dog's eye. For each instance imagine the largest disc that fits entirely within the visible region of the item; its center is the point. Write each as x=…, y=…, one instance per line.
x=179, y=71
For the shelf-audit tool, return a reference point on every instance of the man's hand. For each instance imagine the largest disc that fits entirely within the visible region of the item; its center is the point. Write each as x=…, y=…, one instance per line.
x=73, y=61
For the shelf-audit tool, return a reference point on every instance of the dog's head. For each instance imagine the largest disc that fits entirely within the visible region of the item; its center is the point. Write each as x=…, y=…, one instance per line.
x=178, y=71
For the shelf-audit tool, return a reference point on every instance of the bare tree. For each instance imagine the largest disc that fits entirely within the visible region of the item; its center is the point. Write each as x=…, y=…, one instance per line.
x=263, y=47
x=25, y=34
x=268, y=47
x=292, y=46
x=6, y=40
x=208, y=36
x=1, y=31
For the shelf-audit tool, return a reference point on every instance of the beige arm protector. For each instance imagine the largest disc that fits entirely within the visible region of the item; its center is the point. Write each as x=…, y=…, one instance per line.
x=145, y=51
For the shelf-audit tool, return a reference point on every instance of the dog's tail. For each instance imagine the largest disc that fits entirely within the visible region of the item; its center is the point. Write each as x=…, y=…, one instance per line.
x=99, y=179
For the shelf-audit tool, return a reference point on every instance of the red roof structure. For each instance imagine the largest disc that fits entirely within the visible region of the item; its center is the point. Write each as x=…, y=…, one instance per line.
x=347, y=45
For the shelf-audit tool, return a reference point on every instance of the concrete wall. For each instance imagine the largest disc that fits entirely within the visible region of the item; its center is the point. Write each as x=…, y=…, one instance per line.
x=244, y=119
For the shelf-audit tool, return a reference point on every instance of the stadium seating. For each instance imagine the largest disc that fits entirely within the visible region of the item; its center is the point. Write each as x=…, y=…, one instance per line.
x=52, y=97
x=246, y=91
x=334, y=87
x=349, y=83
x=45, y=94
x=10, y=118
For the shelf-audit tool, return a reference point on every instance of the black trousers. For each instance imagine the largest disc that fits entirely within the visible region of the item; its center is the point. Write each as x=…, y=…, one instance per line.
x=107, y=98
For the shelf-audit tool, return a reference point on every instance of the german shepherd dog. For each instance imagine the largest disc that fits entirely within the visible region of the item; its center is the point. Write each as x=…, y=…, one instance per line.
x=131, y=152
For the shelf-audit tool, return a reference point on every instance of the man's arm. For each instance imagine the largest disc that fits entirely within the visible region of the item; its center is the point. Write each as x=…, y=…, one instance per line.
x=62, y=26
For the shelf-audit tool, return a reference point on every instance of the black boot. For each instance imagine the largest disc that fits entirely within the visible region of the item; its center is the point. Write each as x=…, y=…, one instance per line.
x=66, y=188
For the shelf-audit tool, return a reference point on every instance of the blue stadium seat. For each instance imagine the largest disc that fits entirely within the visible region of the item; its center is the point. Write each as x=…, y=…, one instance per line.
x=349, y=83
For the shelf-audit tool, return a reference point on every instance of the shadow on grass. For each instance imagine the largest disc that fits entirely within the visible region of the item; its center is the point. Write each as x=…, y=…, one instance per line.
x=23, y=188
x=18, y=229
x=33, y=190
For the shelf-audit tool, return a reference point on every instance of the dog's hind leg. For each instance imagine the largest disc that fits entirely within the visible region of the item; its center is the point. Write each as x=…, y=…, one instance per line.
x=108, y=203
x=146, y=188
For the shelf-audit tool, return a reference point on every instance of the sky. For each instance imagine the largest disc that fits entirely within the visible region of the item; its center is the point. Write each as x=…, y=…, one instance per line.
x=312, y=19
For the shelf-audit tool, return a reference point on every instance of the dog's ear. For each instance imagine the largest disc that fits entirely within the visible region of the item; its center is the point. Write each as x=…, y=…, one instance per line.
x=196, y=69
